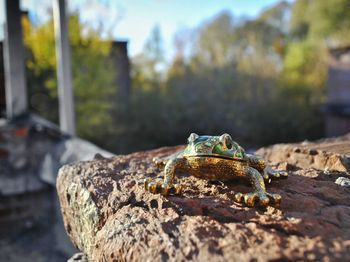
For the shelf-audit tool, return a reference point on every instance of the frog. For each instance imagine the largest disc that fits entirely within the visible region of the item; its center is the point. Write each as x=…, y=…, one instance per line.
x=217, y=158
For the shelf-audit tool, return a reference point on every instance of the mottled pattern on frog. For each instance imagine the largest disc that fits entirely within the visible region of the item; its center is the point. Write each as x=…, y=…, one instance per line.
x=222, y=159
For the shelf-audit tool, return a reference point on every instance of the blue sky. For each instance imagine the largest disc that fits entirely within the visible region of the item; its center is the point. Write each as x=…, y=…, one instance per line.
x=133, y=20
x=142, y=15
x=136, y=18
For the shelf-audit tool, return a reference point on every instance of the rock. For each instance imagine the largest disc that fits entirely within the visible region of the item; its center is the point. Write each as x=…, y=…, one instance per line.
x=109, y=216
x=332, y=154
x=343, y=181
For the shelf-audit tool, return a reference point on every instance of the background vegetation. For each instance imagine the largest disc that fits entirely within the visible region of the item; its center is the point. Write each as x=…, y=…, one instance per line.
x=262, y=80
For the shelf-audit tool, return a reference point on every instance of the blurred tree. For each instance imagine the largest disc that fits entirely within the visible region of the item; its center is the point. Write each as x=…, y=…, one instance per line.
x=214, y=41
x=321, y=20
x=92, y=72
x=41, y=73
x=241, y=77
x=153, y=55
x=153, y=48
x=315, y=26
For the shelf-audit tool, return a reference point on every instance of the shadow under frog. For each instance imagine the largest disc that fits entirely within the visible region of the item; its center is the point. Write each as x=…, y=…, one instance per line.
x=217, y=158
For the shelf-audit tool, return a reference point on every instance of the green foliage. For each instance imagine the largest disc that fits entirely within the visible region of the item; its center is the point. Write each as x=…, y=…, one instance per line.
x=92, y=71
x=41, y=65
x=207, y=50
x=321, y=20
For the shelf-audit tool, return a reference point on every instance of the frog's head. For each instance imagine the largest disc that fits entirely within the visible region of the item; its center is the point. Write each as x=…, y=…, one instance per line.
x=213, y=146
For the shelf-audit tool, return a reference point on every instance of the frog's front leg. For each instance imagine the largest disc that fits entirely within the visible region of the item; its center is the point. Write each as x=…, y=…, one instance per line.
x=160, y=162
x=259, y=196
x=164, y=187
x=261, y=165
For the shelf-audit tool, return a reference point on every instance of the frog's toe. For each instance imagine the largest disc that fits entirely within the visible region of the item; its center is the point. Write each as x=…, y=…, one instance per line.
x=178, y=189
x=153, y=186
x=267, y=178
x=283, y=174
x=250, y=199
x=158, y=187
x=146, y=182
x=175, y=189
x=258, y=199
x=274, y=174
x=165, y=190
x=158, y=162
x=275, y=199
x=239, y=197
x=264, y=200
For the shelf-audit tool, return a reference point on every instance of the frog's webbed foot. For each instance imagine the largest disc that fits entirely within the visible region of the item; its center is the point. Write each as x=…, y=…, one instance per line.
x=260, y=164
x=258, y=198
x=166, y=186
x=159, y=187
x=270, y=173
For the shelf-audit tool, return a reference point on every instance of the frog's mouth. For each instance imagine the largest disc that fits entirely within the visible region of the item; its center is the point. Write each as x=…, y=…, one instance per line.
x=217, y=156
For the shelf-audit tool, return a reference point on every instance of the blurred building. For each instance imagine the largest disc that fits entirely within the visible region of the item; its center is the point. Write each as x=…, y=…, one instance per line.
x=119, y=53
x=2, y=82
x=337, y=108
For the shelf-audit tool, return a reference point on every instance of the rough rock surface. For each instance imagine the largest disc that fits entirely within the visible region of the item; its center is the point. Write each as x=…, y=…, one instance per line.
x=332, y=154
x=343, y=181
x=110, y=217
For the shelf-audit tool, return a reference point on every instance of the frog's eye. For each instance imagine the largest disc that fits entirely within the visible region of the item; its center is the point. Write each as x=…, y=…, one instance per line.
x=226, y=140
x=192, y=137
